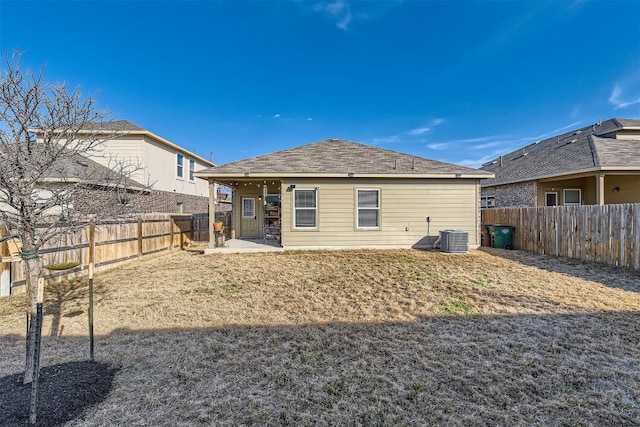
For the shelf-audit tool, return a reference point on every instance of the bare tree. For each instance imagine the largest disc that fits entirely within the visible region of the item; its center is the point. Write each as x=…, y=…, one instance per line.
x=48, y=134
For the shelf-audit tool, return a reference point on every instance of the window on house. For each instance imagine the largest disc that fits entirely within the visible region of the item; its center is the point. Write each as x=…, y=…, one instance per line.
x=551, y=199
x=572, y=196
x=192, y=169
x=488, y=202
x=368, y=208
x=179, y=165
x=248, y=207
x=305, y=207
x=179, y=207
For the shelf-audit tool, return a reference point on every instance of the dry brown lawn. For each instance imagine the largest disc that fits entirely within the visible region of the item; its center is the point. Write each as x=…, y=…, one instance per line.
x=347, y=338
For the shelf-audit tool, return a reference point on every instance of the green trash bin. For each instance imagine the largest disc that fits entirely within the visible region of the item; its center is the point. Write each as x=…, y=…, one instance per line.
x=501, y=236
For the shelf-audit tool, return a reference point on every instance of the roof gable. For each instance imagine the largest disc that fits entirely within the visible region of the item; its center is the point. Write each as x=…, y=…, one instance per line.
x=337, y=156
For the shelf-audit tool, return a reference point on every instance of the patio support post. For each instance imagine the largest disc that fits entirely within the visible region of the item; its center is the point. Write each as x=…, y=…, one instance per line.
x=212, y=213
x=600, y=189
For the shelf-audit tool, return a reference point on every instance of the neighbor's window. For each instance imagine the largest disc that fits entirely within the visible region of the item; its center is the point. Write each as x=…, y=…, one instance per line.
x=179, y=165
x=572, y=196
x=192, y=169
x=305, y=207
x=487, y=201
x=551, y=199
x=179, y=207
x=368, y=208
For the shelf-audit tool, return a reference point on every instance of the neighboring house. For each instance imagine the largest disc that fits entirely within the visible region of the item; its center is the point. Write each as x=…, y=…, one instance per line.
x=594, y=165
x=166, y=168
x=336, y=193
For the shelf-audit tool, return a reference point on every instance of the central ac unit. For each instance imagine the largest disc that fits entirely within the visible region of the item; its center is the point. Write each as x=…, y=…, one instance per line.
x=454, y=241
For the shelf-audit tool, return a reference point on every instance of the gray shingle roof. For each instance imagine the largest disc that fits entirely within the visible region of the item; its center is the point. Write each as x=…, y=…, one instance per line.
x=68, y=167
x=571, y=152
x=337, y=156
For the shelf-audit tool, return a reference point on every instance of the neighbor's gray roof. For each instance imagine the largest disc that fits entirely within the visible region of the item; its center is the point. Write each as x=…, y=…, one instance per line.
x=68, y=167
x=337, y=156
x=576, y=151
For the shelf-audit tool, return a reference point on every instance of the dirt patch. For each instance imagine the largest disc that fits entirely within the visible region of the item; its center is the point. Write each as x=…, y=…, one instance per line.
x=65, y=391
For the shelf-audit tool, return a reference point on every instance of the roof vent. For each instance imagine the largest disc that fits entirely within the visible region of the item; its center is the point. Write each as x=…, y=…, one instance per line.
x=335, y=139
x=82, y=162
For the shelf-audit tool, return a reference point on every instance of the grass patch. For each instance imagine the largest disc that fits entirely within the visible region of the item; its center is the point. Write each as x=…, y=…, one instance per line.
x=456, y=306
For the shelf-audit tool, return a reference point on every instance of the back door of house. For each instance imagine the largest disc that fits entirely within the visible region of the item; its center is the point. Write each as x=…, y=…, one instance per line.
x=249, y=226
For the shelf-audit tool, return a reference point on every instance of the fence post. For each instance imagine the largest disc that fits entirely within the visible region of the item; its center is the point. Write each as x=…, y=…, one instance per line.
x=171, y=227
x=140, y=253
x=5, y=268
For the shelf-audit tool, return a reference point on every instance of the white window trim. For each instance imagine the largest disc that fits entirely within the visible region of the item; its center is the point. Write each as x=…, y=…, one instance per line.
x=180, y=166
x=564, y=197
x=377, y=227
x=484, y=202
x=546, y=193
x=254, y=208
x=294, y=210
x=192, y=162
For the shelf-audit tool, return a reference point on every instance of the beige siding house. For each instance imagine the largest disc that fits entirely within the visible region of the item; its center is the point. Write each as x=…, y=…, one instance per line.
x=593, y=165
x=167, y=169
x=336, y=193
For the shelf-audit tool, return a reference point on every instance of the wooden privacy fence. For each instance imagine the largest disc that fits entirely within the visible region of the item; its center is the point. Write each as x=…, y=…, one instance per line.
x=607, y=233
x=109, y=242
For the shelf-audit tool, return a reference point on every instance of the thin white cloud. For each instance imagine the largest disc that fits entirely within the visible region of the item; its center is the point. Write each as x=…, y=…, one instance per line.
x=438, y=146
x=309, y=119
x=409, y=136
x=476, y=163
x=277, y=116
x=617, y=98
x=418, y=131
x=424, y=129
x=339, y=11
x=487, y=145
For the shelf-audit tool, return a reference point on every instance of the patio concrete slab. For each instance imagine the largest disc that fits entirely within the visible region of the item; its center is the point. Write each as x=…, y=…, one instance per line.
x=236, y=246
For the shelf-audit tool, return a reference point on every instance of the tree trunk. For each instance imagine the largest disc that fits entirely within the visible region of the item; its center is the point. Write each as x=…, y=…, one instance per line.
x=32, y=270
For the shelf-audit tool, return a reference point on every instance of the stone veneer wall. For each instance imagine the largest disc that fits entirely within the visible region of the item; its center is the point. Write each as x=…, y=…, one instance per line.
x=108, y=202
x=518, y=194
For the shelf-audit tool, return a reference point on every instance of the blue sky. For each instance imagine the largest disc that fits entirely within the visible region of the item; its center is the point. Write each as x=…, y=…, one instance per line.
x=461, y=82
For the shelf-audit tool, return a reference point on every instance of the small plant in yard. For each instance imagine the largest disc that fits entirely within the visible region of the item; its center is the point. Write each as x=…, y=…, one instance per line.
x=457, y=306
x=478, y=282
x=416, y=386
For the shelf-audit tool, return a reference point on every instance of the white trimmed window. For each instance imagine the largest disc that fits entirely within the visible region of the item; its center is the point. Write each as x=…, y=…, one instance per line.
x=179, y=165
x=192, y=169
x=487, y=201
x=368, y=208
x=305, y=204
x=572, y=196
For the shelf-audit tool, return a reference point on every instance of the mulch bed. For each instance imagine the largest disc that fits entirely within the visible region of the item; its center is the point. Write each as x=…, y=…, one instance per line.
x=64, y=392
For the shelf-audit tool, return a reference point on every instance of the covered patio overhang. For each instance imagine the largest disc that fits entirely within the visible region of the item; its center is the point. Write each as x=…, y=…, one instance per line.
x=242, y=186
x=598, y=186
